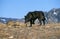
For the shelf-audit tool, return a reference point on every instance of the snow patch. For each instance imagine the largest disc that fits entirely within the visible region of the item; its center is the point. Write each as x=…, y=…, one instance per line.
x=55, y=13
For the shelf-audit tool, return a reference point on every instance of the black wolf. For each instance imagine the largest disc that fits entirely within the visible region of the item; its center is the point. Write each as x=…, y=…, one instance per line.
x=32, y=16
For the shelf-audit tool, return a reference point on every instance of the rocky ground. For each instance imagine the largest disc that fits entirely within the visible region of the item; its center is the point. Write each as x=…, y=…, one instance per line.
x=49, y=31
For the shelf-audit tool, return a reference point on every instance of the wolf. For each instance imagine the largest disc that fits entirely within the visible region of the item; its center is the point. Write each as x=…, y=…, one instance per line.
x=32, y=16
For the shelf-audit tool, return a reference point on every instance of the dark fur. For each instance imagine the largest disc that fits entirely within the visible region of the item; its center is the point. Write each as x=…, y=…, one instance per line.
x=32, y=16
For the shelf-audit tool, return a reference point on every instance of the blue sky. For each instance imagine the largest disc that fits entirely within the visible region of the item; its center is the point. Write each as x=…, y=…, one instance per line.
x=19, y=8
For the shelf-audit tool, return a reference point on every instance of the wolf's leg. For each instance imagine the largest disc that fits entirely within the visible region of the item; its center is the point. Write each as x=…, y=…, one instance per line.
x=33, y=21
x=43, y=22
x=30, y=23
x=40, y=21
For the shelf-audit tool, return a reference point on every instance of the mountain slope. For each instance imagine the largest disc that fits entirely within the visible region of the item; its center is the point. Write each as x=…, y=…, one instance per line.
x=54, y=15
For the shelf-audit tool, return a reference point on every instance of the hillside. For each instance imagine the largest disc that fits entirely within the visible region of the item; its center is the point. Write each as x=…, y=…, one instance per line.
x=5, y=19
x=54, y=15
x=49, y=31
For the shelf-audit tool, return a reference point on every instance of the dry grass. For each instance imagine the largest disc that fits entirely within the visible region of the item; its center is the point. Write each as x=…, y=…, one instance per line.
x=15, y=24
x=49, y=31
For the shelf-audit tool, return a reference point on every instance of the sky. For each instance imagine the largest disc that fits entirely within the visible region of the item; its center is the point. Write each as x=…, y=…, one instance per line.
x=19, y=8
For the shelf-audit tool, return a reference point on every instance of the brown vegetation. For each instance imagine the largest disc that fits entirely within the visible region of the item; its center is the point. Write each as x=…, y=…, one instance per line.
x=10, y=23
x=49, y=31
x=15, y=24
